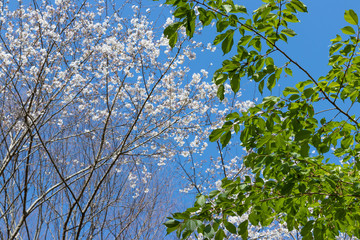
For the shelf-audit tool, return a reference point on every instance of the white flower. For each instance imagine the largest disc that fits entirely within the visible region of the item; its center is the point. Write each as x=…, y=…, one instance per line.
x=204, y=72
x=218, y=185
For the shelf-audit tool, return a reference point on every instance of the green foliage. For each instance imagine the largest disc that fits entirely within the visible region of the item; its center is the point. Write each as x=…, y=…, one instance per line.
x=318, y=198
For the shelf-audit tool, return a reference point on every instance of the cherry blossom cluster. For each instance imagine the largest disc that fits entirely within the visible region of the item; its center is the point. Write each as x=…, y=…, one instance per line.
x=93, y=103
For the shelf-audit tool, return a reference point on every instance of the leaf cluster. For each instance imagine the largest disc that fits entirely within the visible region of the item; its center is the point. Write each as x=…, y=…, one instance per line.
x=307, y=191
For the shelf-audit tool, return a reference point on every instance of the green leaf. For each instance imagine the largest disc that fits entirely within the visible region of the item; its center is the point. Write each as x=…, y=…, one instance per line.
x=205, y=17
x=230, y=227
x=256, y=43
x=221, y=92
x=219, y=78
x=302, y=187
x=351, y=17
x=181, y=12
x=287, y=188
x=288, y=71
x=307, y=228
x=236, y=128
x=263, y=140
x=213, y=193
x=219, y=38
x=288, y=32
x=348, y=30
x=261, y=86
x=290, y=90
x=334, y=48
x=302, y=85
x=318, y=233
x=347, y=141
x=340, y=213
x=235, y=83
x=171, y=29
x=244, y=40
x=190, y=23
x=201, y=200
x=243, y=229
x=209, y=232
x=215, y=135
x=290, y=18
x=225, y=138
x=227, y=7
x=222, y=25
x=228, y=42
x=239, y=9
x=298, y=5
x=170, y=33
x=253, y=218
x=270, y=124
x=173, y=39
x=220, y=234
x=331, y=182
x=183, y=216
x=271, y=82
x=308, y=92
x=192, y=209
x=304, y=149
x=283, y=37
x=232, y=116
x=170, y=230
x=191, y=225
x=337, y=39
x=303, y=134
x=171, y=223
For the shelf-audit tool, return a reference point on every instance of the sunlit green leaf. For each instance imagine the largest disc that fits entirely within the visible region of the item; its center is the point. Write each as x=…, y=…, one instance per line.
x=289, y=32
x=201, y=200
x=215, y=135
x=348, y=30
x=351, y=17
x=298, y=5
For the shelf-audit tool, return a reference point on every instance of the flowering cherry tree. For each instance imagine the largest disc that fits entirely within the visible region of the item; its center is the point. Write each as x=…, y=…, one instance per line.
x=95, y=107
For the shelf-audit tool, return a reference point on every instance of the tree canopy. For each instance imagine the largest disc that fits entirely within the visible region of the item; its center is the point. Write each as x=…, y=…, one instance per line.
x=305, y=162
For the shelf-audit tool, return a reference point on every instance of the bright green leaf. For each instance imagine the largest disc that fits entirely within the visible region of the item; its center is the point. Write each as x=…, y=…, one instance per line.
x=232, y=116
x=288, y=71
x=215, y=135
x=351, y=17
x=288, y=32
x=201, y=200
x=171, y=223
x=227, y=7
x=298, y=5
x=348, y=30
x=290, y=90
